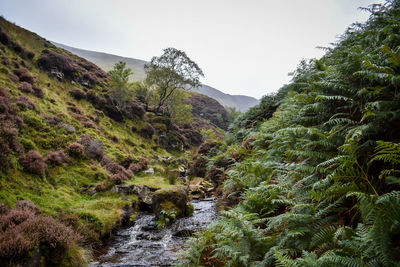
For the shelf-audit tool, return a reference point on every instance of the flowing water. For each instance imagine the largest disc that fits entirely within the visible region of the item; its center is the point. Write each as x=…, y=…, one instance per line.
x=145, y=245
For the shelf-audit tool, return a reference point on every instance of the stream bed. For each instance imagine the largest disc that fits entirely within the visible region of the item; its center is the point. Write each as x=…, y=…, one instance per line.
x=144, y=245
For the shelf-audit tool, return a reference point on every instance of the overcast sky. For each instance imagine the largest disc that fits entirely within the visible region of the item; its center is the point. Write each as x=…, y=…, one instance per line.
x=243, y=46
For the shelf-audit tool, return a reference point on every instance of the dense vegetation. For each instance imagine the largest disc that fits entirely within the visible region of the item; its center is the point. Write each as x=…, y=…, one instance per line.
x=70, y=132
x=313, y=171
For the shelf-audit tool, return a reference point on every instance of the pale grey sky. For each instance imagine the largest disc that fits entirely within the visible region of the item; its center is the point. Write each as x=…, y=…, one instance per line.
x=243, y=46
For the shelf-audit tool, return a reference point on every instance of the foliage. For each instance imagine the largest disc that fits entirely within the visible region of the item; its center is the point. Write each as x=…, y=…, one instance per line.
x=180, y=113
x=232, y=113
x=33, y=162
x=171, y=71
x=319, y=183
x=208, y=134
x=120, y=91
x=165, y=218
x=23, y=228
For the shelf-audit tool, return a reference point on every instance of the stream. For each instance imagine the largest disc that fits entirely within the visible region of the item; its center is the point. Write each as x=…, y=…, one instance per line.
x=144, y=245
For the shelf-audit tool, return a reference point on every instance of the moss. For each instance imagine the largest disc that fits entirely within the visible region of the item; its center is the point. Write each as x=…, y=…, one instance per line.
x=27, y=143
x=152, y=181
x=189, y=209
x=168, y=206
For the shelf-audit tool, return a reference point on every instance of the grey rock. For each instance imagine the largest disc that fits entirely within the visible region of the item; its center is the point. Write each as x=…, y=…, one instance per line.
x=149, y=171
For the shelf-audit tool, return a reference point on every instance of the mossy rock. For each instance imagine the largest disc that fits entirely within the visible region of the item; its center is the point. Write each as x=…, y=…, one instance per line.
x=171, y=199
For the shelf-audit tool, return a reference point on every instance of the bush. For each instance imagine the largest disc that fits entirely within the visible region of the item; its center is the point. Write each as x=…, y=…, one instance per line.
x=25, y=87
x=80, y=70
x=55, y=158
x=25, y=103
x=52, y=120
x=4, y=37
x=10, y=123
x=33, y=162
x=138, y=166
x=114, y=168
x=50, y=61
x=76, y=150
x=117, y=178
x=77, y=93
x=5, y=61
x=93, y=148
x=24, y=75
x=207, y=147
x=38, y=91
x=23, y=229
x=13, y=77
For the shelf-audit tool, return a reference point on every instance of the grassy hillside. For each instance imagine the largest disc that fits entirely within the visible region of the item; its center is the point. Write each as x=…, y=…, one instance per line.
x=64, y=145
x=107, y=61
x=310, y=177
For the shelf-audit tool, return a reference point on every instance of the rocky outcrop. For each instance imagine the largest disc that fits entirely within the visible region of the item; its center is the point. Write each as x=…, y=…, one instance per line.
x=144, y=193
x=171, y=199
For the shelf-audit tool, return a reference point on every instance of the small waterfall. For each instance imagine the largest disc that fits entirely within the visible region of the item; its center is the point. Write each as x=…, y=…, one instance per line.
x=145, y=245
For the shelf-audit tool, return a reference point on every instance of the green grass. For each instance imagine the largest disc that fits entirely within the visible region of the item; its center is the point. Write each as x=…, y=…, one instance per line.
x=152, y=181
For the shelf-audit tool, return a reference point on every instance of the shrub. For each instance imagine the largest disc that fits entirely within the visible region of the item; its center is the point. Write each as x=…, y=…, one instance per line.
x=134, y=110
x=25, y=87
x=76, y=150
x=13, y=77
x=50, y=61
x=77, y=93
x=23, y=228
x=114, y=168
x=4, y=37
x=139, y=166
x=24, y=75
x=94, y=148
x=38, y=91
x=89, y=124
x=33, y=162
x=81, y=70
x=30, y=54
x=5, y=61
x=10, y=123
x=206, y=147
x=25, y=103
x=55, y=158
x=74, y=109
x=117, y=178
x=52, y=120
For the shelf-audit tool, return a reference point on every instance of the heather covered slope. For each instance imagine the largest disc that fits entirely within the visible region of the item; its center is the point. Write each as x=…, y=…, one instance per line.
x=107, y=61
x=64, y=144
x=311, y=175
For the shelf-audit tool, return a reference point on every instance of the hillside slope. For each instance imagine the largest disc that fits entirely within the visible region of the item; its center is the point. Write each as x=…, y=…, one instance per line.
x=107, y=61
x=64, y=146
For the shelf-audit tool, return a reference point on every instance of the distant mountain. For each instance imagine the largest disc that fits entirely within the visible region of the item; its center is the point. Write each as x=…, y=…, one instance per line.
x=241, y=102
x=107, y=61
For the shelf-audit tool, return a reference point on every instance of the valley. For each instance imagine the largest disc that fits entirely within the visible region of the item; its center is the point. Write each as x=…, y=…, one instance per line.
x=111, y=161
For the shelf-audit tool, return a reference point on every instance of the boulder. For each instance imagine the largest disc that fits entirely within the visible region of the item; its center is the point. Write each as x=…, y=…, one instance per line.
x=149, y=171
x=199, y=188
x=144, y=193
x=171, y=199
